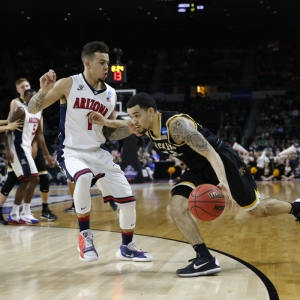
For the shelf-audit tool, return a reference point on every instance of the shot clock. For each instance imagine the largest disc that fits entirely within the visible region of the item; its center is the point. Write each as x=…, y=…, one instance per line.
x=117, y=73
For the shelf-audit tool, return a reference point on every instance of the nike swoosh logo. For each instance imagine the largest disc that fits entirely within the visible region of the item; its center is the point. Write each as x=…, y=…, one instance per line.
x=197, y=267
x=127, y=255
x=83, y=208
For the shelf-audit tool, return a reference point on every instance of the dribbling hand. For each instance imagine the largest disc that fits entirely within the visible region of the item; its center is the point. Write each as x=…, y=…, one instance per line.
x=47, y=81
x=227, y=194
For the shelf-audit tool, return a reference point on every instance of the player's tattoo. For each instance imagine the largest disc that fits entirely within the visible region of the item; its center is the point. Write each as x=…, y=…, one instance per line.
x=181, y=131
x=35, y=103
x=116, y=133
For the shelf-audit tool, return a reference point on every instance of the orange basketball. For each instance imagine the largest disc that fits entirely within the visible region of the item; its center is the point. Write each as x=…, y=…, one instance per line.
x=206, y=202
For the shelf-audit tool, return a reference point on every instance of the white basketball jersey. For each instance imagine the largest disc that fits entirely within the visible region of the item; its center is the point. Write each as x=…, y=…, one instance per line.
x=31, y=124
x=76, y=130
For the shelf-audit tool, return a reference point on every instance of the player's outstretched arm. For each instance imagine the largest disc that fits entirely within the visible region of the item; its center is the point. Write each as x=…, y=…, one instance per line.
x=120, y=132
x=183, y=131
x=16, y=125
x=50, y=92
x=97, y=118
x=3, y=122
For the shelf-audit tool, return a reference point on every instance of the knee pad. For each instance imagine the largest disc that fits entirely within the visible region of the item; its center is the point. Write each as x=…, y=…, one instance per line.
x=9, y=183
x=127, y=216
x=82, y=195
x=44, y=183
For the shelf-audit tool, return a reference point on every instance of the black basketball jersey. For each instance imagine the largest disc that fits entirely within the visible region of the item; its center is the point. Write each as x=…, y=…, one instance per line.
x=183, y=152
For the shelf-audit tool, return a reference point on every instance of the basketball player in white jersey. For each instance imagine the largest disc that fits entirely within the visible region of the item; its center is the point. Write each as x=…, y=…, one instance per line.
x=18, y=147
x=80, y=153
x=22, y=84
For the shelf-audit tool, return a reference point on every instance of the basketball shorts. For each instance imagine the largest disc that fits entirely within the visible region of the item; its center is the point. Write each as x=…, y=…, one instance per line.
x=112, y=181
x=241, y=183
x=23, y=164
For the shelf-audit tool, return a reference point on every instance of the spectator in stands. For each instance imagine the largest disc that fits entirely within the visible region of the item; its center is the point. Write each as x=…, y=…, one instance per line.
x=154, y=155
x=288, y=173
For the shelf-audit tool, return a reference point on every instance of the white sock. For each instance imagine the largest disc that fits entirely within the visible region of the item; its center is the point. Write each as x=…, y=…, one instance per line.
x=26, y=207
x=15, y=209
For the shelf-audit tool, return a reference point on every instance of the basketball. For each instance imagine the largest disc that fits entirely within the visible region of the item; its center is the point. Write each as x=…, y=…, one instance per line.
x=206, y=202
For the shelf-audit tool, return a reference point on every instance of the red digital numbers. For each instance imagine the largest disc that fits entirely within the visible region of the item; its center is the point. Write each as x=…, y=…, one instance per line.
x=118, y=76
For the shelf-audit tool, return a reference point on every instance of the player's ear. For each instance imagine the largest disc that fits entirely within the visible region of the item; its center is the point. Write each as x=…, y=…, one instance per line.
x=151, y=110
x=87, y=64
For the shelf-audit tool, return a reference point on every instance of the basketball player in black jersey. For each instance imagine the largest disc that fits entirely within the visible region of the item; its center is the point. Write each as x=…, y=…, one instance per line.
x=22, y=84
x=208, y=160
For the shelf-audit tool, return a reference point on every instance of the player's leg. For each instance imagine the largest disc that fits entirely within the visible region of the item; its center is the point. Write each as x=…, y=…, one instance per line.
x=5, y=190
x=244, y=190
x=204, y=263
x=75, y=165
x=28, y=174
x=44, y=186
x=114, y=186
x=71, y=187
x=26, y=214
x=113, y=205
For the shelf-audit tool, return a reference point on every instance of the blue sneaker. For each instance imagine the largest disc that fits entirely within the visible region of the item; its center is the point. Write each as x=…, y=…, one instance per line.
x=133, y=253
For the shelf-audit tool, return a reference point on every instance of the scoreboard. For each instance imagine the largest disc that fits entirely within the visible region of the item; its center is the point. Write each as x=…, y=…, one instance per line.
x=117, y=73
x=189, y=7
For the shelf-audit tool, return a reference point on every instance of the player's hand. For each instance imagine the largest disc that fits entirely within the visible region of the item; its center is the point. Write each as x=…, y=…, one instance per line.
x=50, y=161
x=47, y=81
x=133, y=129
x=16, y=125
x=9, y=155
x=227, y=194
x=96, y=118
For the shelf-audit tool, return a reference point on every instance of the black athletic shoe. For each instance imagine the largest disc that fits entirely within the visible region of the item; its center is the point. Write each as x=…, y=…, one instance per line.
x=2, y=220
x=47, y=214
x=297, y=202
x=200, y=266
x=113, y=205
x=70, y=209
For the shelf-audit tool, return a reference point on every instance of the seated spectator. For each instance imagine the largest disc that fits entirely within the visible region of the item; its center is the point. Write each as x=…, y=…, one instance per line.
x=154, y=155
x=267, y=172
x=149, y=166
x=288, y=173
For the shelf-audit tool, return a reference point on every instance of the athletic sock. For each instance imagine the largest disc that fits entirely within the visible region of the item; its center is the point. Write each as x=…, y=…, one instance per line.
x=127, y=237
x=45, y=205
x=84, y=223
x=26, y=208
x=15, y=209
x=202, y=250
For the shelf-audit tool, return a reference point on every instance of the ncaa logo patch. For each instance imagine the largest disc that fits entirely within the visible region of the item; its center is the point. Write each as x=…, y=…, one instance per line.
x=108, y=96
x=164, y=133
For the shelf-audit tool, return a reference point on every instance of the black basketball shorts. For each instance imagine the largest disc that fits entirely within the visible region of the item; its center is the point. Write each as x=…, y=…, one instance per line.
x=241, y=183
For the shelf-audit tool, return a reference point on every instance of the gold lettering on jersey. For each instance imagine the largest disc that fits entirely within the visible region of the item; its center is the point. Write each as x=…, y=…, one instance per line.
x=83, y=103
x=164, y=146
x=33, y=120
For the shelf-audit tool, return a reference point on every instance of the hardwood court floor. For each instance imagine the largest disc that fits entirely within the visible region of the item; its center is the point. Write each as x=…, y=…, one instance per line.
x=259, y=257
